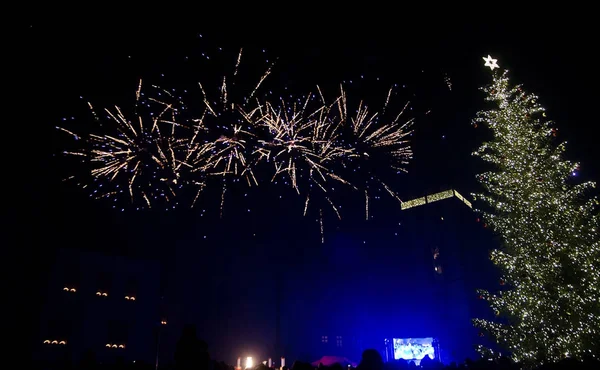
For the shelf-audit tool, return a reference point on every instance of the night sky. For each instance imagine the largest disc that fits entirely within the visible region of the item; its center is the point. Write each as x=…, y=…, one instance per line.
x=60, y=60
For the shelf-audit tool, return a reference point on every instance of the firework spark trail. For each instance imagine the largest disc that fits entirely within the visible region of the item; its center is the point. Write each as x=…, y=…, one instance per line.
x=387, y=100
x=366, y=205
x=448, y=81
x=390, y=191
x=321, y=226
x=222, y=201
x=237, y=63
x=138, y=93
x=137, y=154
x=262, y=79
x=74, y=135
x=306, y=204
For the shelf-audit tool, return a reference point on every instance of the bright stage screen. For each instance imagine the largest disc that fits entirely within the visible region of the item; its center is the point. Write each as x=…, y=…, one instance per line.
x=413, y=348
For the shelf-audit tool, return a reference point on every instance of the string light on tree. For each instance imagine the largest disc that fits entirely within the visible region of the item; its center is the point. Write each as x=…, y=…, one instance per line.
x=549, y=292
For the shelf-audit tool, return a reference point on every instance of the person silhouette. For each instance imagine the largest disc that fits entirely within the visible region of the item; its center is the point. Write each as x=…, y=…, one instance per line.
x=371, y=360
x=191, y=352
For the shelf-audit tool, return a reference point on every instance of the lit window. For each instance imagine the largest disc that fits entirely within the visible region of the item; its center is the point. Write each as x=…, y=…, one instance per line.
x=116, y=334
x=338, y=340
x=324, y=339
x=70, y=277
x=115, y=345
x=103, y=284
x=55, y=342
x=131, y=289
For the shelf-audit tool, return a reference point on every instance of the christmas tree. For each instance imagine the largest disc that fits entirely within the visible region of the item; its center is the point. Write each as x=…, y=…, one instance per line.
x=548, y=300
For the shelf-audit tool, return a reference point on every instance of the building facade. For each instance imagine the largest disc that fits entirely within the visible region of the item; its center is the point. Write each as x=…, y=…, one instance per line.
x=445, y=225
x=416, y=279
x=102, y=306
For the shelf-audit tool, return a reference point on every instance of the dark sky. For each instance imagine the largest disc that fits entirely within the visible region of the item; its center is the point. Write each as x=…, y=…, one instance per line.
x=102, y=61
x=59, y=60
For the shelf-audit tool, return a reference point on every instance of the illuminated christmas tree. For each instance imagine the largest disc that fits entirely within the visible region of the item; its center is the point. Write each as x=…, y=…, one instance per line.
x=548, y=301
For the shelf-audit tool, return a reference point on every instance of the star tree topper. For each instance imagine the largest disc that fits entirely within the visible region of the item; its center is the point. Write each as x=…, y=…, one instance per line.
x=491, y=62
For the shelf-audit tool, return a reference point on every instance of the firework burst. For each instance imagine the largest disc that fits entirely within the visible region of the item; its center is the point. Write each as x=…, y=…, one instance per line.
x=304, y=149
x=148, y=154
x=378, y=142
x=232, y=120
x=155, y=152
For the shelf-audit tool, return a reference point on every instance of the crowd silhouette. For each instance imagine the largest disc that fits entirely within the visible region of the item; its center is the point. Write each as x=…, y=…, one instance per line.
x=192, y=354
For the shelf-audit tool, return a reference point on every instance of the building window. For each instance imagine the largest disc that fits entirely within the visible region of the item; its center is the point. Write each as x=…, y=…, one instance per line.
x=131, y=290
x=117, y=334
x=338, y=340
x=103, y=284
x=324, y=339
x=71, y=278
x=163, y=311
x=58, y=332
